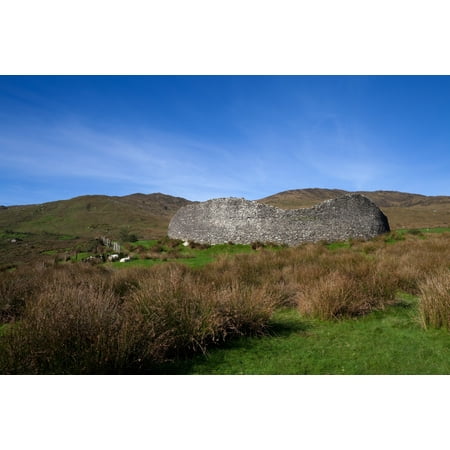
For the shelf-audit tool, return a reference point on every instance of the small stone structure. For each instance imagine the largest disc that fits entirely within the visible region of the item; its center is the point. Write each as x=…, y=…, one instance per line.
x=242, y=221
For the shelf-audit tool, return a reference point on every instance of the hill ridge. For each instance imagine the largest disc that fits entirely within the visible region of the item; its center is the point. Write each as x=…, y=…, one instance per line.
x=148, y=215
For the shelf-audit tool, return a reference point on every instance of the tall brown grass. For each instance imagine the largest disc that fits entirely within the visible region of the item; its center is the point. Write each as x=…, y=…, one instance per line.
x=434, y=304
x=94, y=321
x=76, y=318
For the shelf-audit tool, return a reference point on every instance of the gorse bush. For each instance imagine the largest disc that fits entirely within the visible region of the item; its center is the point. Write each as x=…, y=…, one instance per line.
x=77, y=318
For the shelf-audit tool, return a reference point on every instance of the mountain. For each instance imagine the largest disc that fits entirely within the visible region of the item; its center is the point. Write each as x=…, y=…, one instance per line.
x=146, y=215
x=403, y=210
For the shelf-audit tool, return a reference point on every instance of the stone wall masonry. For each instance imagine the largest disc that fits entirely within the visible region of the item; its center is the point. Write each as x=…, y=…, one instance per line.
x=242, y=221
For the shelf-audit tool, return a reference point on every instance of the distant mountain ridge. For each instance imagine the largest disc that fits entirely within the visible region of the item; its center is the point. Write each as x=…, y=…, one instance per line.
x=148, y=215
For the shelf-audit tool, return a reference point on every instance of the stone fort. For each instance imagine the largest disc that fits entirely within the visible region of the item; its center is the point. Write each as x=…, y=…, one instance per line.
x=242, y=221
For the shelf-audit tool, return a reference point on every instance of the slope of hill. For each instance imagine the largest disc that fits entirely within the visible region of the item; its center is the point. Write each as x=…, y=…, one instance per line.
x=402, y=209
x=146, y=215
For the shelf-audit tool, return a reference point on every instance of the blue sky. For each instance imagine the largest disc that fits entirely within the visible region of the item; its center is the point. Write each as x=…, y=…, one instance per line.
x=201, y=137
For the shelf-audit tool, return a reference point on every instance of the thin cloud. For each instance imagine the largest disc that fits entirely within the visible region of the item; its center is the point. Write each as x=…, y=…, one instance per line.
x=162, y=163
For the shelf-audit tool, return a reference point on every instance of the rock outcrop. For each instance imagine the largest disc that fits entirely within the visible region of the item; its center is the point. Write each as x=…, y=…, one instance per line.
x=242, y=221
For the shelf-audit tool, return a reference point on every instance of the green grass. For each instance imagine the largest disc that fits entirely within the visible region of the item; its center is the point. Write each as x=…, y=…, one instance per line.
x=420, y=231
x=82, y=255
x=192, y=257
x=148, y=243
x=135, y=263
x=393, y=237
x=201, y=257
x=338, y=245
x=50, y=252
x=386, y=342
x=435, y=230
x=67, y=237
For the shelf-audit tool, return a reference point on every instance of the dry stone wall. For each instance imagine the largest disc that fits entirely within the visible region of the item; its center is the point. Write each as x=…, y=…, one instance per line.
x=242, y=221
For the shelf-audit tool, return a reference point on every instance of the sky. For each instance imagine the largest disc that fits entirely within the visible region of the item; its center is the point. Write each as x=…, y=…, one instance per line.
x=202, y=137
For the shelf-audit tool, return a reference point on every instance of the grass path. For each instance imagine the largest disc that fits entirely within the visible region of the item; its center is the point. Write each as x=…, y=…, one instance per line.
x=385, y=342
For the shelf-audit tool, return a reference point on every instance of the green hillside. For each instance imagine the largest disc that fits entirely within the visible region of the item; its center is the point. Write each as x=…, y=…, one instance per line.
x=93, y=215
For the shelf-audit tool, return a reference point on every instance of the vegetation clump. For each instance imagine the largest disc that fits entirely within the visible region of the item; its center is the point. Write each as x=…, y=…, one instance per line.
x=434, y=305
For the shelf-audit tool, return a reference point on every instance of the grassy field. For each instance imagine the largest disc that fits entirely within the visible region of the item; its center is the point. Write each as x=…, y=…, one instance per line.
x=383, y=342
x=375, y=307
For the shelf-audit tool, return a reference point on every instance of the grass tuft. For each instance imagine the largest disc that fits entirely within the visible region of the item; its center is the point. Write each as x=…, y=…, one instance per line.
x=434, y=304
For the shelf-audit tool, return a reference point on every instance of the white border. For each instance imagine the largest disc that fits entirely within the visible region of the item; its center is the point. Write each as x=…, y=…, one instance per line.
x=232, y=37
x=224, y=37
